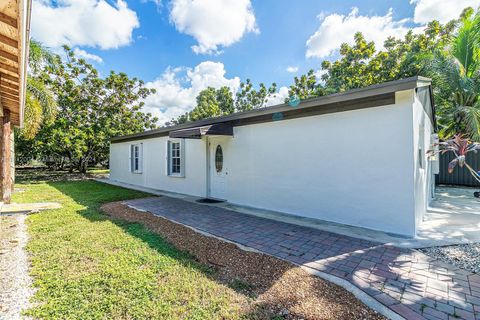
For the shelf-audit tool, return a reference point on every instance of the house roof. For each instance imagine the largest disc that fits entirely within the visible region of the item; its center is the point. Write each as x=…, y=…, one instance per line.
x=371, y=96
x=14, y=43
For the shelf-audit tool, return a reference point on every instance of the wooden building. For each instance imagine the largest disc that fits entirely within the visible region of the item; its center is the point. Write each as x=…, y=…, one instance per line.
x=14, y=41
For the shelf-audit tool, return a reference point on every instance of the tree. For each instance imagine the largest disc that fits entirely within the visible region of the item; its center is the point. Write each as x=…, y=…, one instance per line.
x=91, y=110
x=456, y=76
x=362, y=65
x=212, y=102
x=248, y=98
x=40, y=103
x=225, y=100
x=207, y=105
x=307, y=86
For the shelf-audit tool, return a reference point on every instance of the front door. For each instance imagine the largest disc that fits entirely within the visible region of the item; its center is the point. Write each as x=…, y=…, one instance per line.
x=217, y=169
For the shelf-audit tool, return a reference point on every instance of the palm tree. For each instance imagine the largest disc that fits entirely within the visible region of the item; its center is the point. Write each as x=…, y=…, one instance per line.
x=40, y=103
x=456, y=76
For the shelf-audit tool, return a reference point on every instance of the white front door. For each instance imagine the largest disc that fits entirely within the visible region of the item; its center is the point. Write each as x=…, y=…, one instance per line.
x=217, y=168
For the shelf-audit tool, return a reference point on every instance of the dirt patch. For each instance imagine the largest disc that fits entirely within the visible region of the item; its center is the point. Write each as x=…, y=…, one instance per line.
x=277, y=288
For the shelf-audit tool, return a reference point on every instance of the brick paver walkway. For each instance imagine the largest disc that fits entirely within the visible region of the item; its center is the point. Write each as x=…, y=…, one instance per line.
x=407, y=281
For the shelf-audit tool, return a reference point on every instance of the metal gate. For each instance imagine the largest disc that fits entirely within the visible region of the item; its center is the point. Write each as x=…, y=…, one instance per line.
x=459, y=176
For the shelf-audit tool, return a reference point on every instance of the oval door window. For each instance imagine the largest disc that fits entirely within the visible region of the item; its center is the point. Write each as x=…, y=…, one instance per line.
x=219, y=158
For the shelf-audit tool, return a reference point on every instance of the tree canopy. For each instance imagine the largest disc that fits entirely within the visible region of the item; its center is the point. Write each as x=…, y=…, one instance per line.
x=40, y=102
x=90, y=111
x=212, y=102
x=362, y=65
x=456, y=77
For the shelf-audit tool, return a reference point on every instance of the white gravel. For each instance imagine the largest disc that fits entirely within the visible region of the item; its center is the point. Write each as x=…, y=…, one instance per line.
x=464, y=256
x=15, y=283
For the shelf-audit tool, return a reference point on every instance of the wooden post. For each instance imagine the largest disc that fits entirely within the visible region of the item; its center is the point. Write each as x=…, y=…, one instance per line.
x=6, y=184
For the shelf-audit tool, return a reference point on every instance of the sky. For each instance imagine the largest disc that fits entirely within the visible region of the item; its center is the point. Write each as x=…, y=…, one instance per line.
x=180, y=47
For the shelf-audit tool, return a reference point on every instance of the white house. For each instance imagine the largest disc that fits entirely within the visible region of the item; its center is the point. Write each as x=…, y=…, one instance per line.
x=357, y=157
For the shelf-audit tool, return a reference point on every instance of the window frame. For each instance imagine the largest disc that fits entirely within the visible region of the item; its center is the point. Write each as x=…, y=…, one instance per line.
x=421, y=146
x=171, y=157
x=136, y=158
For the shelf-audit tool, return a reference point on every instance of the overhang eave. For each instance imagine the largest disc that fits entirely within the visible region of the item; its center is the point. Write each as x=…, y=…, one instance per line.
x=14, y=40
x=218, y=129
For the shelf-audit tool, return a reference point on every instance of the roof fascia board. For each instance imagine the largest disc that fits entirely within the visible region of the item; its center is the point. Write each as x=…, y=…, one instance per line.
x=370, y=91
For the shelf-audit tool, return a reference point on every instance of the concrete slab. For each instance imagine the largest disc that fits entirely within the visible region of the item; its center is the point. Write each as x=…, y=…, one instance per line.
x=452, y=218
x=28, y=207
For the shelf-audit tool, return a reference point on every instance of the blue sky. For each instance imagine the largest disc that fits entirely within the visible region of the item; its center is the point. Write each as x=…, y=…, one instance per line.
x=264, y=57
x=181, y=46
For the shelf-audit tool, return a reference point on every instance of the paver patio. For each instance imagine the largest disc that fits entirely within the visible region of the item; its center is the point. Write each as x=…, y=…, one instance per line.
x=408, y=282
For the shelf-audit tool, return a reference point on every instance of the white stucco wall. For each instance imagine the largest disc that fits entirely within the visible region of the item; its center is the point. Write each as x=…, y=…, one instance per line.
x=357, y=167
x=350, y=167
x=154, y=166
x=424, y=180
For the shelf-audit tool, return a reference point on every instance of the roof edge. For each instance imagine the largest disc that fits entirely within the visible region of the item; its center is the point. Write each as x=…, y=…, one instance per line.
x=25, y=14
x=370, y=91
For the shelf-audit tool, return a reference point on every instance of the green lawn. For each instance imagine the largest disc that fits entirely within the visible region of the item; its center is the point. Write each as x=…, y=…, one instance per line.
x=86, y=266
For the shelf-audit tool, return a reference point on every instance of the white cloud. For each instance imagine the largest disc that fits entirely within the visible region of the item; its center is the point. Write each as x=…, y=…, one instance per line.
x=87, y=56
x=176, y=93
x=94, y=23
x=336, y=29
x=213, y=23
x=158, y=3
x=441, y=10
x=291, y=69
x=278, y=98
x=319, y=74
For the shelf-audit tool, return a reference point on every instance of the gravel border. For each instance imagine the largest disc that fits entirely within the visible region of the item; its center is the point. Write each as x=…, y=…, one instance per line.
x=277, y=288
x=464, y=256
x=15, y=282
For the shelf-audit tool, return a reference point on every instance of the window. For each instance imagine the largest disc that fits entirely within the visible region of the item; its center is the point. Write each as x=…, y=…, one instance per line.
x=219, y=158
x=136, y=158
x=175, y=158
x=421, y=146
x=420, y=158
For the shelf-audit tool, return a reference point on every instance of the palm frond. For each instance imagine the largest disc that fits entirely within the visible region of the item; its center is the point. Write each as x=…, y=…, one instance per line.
x=472, y=119
x=476, y=32
x=40, y=56
x=38, y=90
x=463, y=48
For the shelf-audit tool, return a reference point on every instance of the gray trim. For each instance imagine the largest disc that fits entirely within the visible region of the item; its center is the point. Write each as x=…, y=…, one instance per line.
x=219, y=129
x=332, y=103
x=425, y=96
x=207, y=153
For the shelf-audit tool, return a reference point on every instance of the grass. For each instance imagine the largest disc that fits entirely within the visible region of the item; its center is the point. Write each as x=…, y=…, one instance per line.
x=88, y=267
x=98, y=171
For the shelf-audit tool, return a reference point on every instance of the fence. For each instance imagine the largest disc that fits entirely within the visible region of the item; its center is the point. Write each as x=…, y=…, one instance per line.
x=459, y=176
